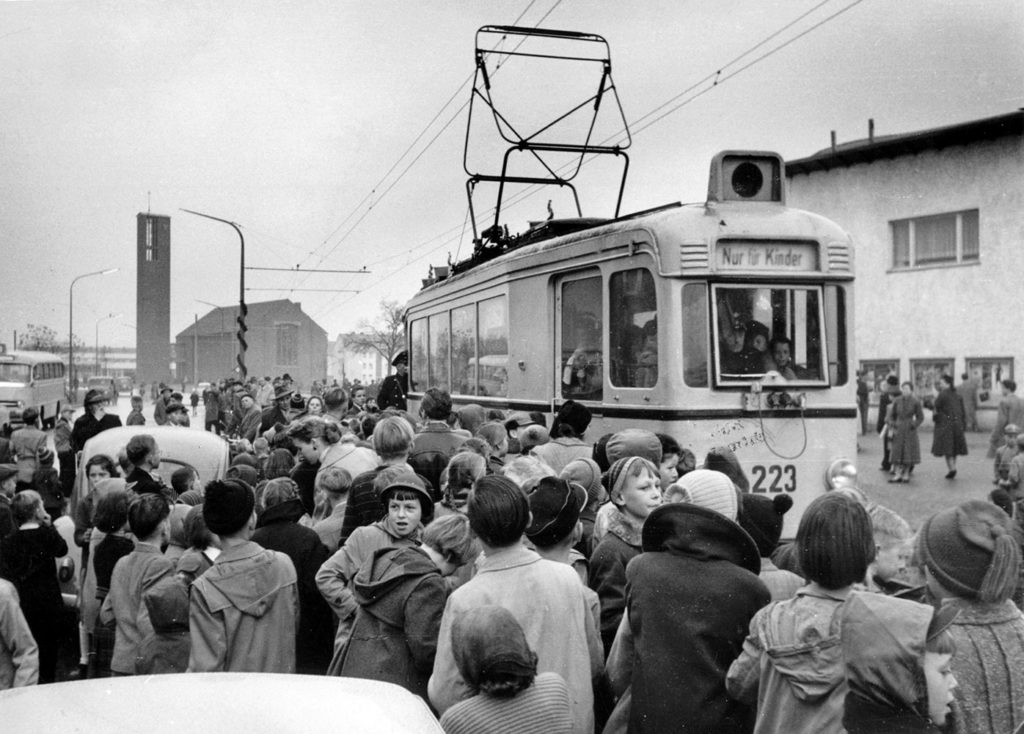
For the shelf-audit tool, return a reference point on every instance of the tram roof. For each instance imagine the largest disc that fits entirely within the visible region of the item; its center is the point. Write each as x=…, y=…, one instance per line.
x=669, y=226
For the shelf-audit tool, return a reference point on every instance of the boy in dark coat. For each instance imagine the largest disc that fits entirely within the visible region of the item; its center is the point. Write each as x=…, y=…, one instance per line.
x=690, y=598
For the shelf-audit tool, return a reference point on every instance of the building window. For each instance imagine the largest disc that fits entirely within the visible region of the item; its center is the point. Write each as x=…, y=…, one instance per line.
x=150, y=242
x=287, y=344
x=935, y=240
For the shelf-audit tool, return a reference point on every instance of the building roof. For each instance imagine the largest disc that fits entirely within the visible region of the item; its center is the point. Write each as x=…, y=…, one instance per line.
x=893, y=146
x=222, y=320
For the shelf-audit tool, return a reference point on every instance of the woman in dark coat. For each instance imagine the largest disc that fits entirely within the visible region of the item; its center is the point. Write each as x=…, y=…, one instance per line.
x=949, y=416
x=905, y=415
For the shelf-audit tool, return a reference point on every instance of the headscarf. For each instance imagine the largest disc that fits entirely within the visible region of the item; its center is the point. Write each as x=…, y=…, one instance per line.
x=488, y=640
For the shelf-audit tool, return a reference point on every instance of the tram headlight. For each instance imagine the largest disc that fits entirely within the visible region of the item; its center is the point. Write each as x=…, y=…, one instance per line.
x=841, y=473
x=740, y=175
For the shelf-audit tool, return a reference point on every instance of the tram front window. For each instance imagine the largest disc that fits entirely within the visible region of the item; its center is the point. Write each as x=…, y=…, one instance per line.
x=765, y=330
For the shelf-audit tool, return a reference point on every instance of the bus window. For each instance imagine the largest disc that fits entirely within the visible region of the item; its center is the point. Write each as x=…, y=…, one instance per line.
x=440, y=338
x=633, y=336
x=418, y=372
x=14, y=372
x=764, y=329
x=464, y=350
x=695, y=334
x=582, y=359
x=493, y=347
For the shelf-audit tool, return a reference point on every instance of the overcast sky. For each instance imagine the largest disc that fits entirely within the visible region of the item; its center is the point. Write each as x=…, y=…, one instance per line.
x=284, y=117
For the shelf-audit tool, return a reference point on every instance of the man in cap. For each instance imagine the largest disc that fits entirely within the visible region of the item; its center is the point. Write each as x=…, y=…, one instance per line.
x=95, y=420
x=160, y=405
x=252, y=417
x=244, y=610
x=393, y=389
x=278, y=412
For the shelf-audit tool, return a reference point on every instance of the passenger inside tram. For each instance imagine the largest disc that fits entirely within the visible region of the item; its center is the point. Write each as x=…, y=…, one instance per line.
x=583, y=375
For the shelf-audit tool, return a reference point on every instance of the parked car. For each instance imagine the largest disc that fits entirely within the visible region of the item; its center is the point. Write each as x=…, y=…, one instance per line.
x=106, y=383
x=248, y=703
x=205, y=452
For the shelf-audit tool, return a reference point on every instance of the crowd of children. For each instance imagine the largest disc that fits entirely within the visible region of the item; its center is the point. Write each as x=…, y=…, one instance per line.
x=520, y=582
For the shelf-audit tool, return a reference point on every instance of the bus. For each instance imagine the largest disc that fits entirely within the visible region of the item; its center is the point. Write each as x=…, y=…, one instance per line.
x=31, y=379
x=721, y=323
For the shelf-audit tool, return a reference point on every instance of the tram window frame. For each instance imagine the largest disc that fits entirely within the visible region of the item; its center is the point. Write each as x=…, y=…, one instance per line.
x=577, y=325
x=419, y=356
x=492, y=379
x=463, y=372
x=696, y=355
x=631, y=330
x=774, y=310
x=439, y=351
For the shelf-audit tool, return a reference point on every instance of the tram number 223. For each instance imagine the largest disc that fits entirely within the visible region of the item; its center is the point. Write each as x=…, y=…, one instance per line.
x=774, y=478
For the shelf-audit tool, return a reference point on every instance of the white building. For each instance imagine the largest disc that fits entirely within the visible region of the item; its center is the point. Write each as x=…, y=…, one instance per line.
x=937, y=217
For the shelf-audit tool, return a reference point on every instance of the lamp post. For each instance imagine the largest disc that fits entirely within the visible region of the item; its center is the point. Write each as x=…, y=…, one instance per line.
x=108, y=316
x=71, y=330
x=242, y=310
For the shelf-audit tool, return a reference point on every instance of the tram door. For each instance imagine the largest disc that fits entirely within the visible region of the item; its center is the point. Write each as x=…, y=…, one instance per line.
x=579, y=336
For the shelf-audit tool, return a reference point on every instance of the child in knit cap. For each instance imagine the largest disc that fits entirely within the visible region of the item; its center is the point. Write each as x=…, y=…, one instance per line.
x=791, y=665
x=587, y=474
x=555, y=506
x=634, y=491
x=631, y=442
x=972, y=562
x=762, y=518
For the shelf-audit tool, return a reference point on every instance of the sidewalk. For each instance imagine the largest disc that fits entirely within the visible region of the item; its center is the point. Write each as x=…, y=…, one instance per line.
x=928, y=491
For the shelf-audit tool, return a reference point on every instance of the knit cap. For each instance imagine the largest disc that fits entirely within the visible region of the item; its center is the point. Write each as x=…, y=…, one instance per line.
x=228, y=506
x=633, y=442
x=710, y=489
x=244, y=472
x=555, y=506
x=572, y=414
x=762, y=519
x=533, y=436
x=587, y=474
x=615, y=479
x=969, y=549
x=45, y=456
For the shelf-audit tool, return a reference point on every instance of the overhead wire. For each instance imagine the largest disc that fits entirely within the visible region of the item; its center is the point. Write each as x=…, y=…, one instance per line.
x=716, y=78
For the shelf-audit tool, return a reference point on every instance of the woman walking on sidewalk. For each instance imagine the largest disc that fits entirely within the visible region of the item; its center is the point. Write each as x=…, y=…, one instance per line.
x=949, y=416
x=906, y=414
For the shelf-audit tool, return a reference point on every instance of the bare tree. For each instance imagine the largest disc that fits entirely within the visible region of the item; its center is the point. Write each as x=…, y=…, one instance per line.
x=385, y=335
x=38, y=337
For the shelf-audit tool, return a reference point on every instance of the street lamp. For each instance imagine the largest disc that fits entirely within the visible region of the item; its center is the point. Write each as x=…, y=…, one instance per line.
x=242, y=310
x=71, y=330
x=109, y=316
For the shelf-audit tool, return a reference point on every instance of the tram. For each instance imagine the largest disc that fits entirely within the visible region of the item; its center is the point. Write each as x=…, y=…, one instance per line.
x=726, y=323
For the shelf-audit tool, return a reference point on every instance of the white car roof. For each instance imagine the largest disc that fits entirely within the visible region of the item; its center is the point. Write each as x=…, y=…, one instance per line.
x=248, y=703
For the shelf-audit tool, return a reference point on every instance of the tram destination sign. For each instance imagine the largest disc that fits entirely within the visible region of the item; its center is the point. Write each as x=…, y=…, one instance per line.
x=766, y=256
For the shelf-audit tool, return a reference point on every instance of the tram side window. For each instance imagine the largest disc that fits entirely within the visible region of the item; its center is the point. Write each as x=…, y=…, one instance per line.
x=464, y=350
x=633, y=341
x=418, y=374
x=764, y=329
x=492, y=322
x=582, y=358
x=440, y=341
x=695, y=334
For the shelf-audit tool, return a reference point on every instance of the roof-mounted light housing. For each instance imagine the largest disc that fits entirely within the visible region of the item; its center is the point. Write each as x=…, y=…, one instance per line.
x=743, y=175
